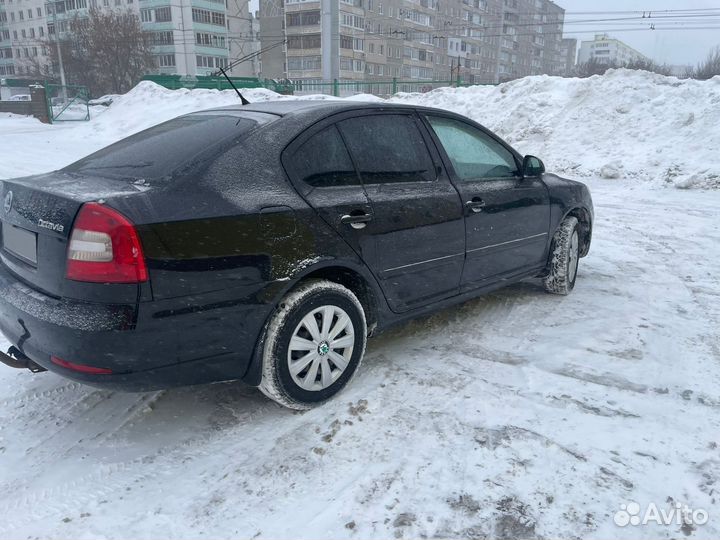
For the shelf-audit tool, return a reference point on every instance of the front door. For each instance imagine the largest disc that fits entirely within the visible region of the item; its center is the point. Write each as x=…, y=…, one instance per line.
x=507, y=217
x=417, y=226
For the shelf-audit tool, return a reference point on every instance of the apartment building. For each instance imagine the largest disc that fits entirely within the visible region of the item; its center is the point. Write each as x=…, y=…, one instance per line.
x=568, y=54
x=487, y=40
x=197, y=37
x=190, y=37
x=23, y=37
x=607, y=50
x=7, y=64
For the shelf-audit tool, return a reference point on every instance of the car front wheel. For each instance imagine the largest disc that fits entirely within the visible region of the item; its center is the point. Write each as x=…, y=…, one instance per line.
x=564, y=258
x=313, y=344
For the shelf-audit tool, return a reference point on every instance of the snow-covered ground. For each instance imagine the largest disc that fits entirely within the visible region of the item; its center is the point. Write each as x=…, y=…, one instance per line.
x=519, y=414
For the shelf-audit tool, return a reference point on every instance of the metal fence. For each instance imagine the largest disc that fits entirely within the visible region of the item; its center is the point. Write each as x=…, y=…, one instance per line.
x=336, y=87
x=344, y=88
x=67, y=103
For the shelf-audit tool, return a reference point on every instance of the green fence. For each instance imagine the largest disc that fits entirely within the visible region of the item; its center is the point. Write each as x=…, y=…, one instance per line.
x=340, y=87
x=336, y=87
x=174, y=82
x=67, y=103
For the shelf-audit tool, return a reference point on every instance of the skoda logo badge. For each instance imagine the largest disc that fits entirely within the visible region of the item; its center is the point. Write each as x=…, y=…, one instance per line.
x=8, y=202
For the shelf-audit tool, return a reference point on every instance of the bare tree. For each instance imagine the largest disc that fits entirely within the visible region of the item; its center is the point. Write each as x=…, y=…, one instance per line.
x=108, y=51
x=34, y=65
x=594, y=67
x=649, y=65
x=710, y=67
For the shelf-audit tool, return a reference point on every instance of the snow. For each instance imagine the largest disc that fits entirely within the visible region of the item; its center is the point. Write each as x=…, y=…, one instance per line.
x=633, y=124
x=516, y=414
x=626, y=124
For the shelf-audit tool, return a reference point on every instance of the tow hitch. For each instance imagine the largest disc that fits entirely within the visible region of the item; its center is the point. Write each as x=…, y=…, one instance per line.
x=16, y=359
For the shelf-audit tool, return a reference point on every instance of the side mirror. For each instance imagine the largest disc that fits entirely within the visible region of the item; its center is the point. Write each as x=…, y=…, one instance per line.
x=533, y=166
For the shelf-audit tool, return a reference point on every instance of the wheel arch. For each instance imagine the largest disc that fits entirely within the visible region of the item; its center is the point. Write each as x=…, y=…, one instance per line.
x=354, y=279
x=584, y=218
x=355, y=282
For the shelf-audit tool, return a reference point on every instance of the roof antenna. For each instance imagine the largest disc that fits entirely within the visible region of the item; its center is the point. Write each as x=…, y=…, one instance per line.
x=242, y=99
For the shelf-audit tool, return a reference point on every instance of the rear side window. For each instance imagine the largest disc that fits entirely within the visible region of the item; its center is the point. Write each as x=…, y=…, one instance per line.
x=158, y=152
x=388, y=148
x=323, y=161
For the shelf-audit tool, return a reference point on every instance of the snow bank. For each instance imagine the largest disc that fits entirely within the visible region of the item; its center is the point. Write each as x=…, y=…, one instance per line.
x=148, y=104
x=625, y=124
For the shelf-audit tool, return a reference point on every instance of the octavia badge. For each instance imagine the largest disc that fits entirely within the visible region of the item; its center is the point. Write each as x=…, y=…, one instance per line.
x=8, y=202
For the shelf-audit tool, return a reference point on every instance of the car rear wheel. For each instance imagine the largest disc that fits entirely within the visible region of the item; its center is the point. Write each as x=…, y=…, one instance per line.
x=313, y=345
x=564, y=258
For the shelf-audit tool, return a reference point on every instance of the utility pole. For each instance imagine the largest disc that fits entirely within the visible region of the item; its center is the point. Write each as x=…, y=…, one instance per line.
x=59, y=50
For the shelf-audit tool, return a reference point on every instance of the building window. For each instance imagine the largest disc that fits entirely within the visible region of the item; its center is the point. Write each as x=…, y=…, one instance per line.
x=208, y=17
x=211, y=61
x=307, y=41
x=210, y=40
x=304, y=18
x=298, y=63
x=163, y=38
x=166, y=60
x=163, y=14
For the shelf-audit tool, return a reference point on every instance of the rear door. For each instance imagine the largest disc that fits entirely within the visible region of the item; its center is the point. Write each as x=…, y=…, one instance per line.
x=417, y=228
x=323, y=173
x=507, y=217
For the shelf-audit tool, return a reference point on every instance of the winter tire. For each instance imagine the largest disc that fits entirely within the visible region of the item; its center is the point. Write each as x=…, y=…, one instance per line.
x=564, y=257
x=313, y=344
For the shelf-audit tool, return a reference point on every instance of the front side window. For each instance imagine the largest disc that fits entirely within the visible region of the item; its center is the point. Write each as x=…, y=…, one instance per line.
x=474, y=154
x=388, y=148
x=323, y=161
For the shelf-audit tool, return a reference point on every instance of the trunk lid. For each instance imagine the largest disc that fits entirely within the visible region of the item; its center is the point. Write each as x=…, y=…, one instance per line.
x=36, y=217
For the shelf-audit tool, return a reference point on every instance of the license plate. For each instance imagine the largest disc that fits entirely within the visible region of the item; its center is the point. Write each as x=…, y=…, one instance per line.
x=19, y=242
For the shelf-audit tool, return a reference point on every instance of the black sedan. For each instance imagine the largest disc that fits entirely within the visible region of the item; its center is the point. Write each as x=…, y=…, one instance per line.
x=266, y=242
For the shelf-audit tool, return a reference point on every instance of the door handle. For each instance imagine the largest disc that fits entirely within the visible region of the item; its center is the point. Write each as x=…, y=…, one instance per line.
x=356, y=221
x=476, y=204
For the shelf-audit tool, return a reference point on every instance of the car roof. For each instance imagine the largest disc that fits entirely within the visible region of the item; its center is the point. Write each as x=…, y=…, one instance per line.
x=285, y=107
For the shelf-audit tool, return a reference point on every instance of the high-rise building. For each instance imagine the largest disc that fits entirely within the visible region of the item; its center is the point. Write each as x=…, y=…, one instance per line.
x=568, y=53
x=7, y=65
x=195, y=37
x=607, y=50
x=189, y=37
x=490, y=40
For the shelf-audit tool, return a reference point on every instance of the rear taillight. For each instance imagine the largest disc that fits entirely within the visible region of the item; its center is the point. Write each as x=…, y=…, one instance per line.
x=105, y=248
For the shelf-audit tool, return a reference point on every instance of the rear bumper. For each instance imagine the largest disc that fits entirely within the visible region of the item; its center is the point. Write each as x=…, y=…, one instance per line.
x=147, y=346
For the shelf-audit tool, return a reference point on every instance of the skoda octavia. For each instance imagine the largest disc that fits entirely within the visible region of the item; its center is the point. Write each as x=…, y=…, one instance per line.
x=266, y=242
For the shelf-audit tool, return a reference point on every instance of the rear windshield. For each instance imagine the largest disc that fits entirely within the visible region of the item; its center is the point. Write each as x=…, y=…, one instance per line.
x=158, y=152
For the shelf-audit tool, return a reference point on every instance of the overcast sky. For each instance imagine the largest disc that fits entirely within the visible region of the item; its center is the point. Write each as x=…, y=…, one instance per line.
x=673, y=46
